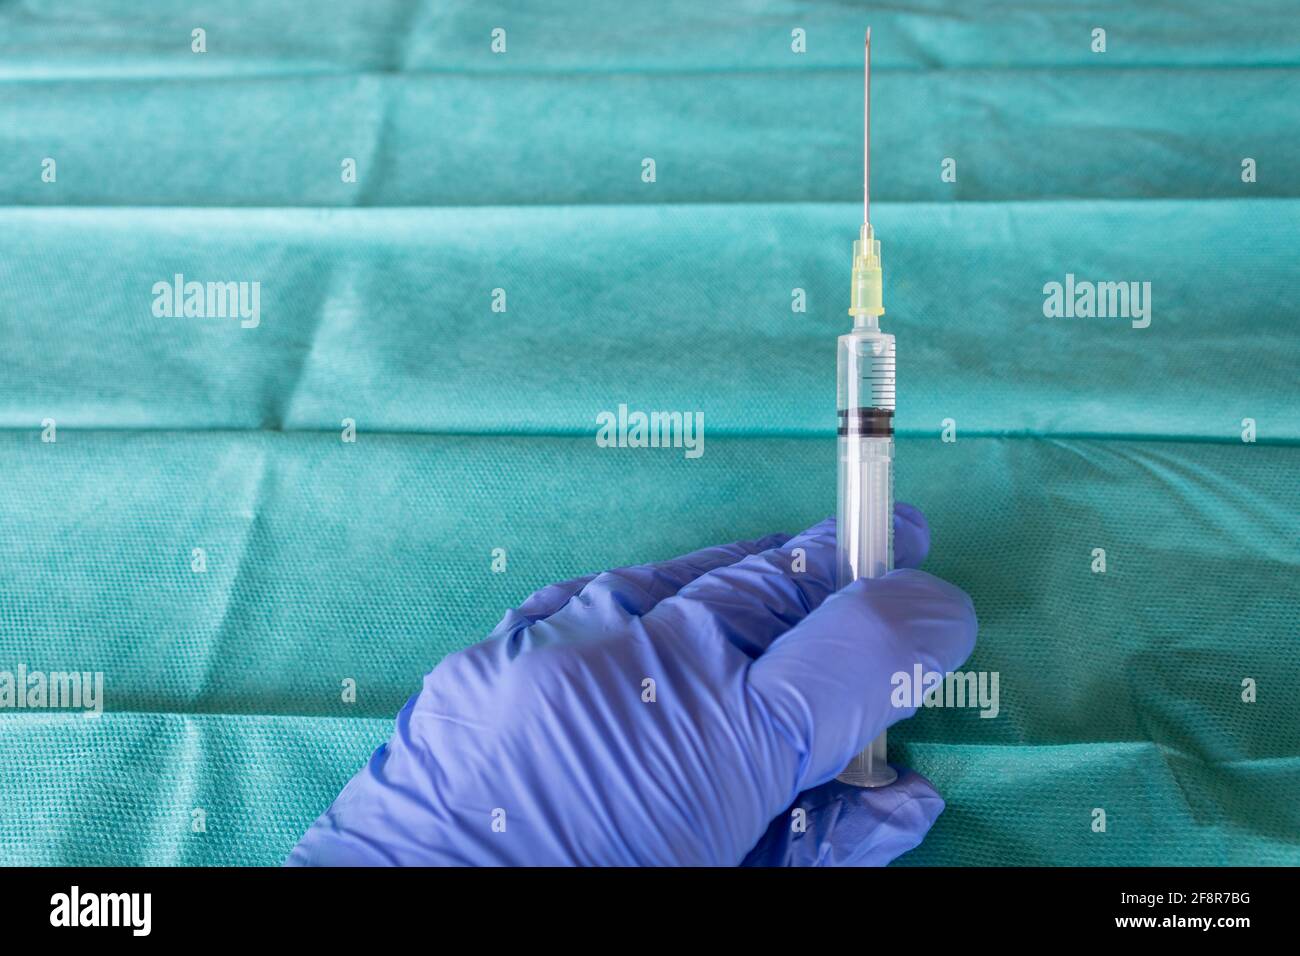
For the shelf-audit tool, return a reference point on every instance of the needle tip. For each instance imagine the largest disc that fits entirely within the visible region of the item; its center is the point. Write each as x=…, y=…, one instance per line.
x=868, y=36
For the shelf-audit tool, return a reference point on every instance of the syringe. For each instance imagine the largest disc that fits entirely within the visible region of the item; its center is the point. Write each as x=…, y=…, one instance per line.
x=865, y=516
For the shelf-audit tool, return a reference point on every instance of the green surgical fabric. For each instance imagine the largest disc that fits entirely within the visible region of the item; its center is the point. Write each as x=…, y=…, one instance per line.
x=331, y=563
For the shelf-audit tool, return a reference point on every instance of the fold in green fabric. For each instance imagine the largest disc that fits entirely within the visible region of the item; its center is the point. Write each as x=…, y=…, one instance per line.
x=386, y=316
x=89, y=38
x=554, y=139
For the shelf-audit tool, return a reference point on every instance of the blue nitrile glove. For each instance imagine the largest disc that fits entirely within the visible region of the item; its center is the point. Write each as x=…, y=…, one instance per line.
x=671, y=713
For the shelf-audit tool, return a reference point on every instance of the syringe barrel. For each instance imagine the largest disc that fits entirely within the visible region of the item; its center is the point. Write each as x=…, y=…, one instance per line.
x=865, y=515
x=865, y=525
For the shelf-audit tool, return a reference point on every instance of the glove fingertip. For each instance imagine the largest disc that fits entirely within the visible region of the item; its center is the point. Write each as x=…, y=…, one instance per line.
x=911, y=536
x=842, y=825
x=900, y=816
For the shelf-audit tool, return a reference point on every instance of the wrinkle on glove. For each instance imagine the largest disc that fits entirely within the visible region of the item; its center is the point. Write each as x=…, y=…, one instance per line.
x=664, y=715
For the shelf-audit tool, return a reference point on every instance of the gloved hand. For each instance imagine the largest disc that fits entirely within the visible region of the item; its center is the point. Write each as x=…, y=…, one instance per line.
x=665, y=714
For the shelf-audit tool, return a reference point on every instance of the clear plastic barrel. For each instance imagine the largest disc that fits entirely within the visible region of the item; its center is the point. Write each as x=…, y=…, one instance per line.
x=865, y=516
